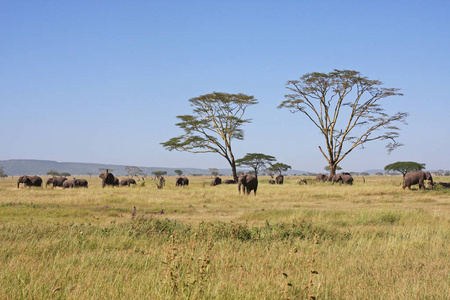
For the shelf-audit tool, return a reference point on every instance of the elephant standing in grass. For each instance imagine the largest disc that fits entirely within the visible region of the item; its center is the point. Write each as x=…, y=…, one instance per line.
x=56, y=181
x=321, y=178
x=347, y=178
x=216, y=181
x=108, y=179
x=127, y=181
x=68, y=184
x=335, y=178
x=81, y=183
x=29, y=181
x=279, y=179
x=417, y=178
x=182, y=181
x=249, y=183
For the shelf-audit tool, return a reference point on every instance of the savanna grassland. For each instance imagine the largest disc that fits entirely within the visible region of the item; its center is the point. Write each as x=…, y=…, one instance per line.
x=371, y=240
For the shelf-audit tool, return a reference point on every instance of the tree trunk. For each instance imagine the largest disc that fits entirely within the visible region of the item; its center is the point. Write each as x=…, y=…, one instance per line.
x=332, y=169
x=233, y=170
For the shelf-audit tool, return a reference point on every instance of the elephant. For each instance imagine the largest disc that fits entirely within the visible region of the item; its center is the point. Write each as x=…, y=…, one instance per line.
x=417, y=178
x=249, y=183
x=347, y=178
x=56, y=181
x=321, y=178
x=271, y=181
x=81, y=183
x=29, y=181
x=335, y=178
x=216, y=181
x=108, y=179
x=68, y=184
x=182, y=181
x=279, y=179
x=230, y=181
x=127, y=181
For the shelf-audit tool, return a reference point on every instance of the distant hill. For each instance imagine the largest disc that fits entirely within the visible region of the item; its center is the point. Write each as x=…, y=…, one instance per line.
x=17, y=167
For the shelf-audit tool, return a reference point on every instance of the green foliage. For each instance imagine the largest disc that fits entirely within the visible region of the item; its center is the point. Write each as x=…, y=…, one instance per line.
x=2, y=173
x=278, y=168
x=344, y=106
x=255, y=161
x=56, y=173
x=217, y=119
x=327, y=168
x=178, y=172
x=159, y=173
x=134, y=171
x=405, y=167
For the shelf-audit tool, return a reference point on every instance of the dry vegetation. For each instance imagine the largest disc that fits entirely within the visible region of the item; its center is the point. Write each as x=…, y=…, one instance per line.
x=371, y=240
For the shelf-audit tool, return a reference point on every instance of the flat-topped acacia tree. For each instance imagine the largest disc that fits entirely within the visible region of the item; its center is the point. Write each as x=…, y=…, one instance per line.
x=216, y=121
x=344, y=106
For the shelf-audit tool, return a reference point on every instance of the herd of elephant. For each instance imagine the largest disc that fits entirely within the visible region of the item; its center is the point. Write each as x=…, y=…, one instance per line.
x=408, y=180
x=248, y=182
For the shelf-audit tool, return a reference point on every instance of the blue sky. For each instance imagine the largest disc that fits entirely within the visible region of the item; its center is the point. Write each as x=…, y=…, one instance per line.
x=103, y=81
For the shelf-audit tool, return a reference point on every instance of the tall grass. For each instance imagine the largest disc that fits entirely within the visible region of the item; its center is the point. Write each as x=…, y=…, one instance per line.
x=367, y=241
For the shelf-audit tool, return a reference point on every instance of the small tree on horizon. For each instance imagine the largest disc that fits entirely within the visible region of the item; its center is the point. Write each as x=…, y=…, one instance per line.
x=278, y=168
x=178, y=172
x=405, y=167
x=256, y=161
x=158, y=174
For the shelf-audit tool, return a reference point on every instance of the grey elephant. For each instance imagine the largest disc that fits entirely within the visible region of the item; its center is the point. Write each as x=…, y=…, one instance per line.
x=56, y=181
x=229, y=181
x=335, y=178
x=29, y=181
x=127, y=182
x=81, y=183
x=249, y=183
x=216, y=181
x=182, y=181
x=68, y=184
x=417, y=178
x=321, y=178
x=279, y=179
x=347, y=178
x=108, y=179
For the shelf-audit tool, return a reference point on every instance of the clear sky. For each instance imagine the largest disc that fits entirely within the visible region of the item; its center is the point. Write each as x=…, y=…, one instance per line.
x=103, y=81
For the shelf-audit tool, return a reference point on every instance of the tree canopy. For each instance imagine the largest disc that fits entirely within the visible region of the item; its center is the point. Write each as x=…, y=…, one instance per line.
x=134, y=171
x=217, y=119
x=405, y=167
x=159, y=173
x=56, y=173
x=256, y=161
x=178, y=172
x=345, y=107
x=278, y=168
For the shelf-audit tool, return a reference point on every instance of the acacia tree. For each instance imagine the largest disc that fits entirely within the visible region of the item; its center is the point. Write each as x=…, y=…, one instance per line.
x=405, y=167
x=344, y=124
x=255, y=161
x=278, y=168
x=217, y=119
x=178, y=172
x=134, y=171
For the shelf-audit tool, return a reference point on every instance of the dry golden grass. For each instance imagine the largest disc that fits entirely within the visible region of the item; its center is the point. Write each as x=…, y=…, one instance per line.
x=375, y=241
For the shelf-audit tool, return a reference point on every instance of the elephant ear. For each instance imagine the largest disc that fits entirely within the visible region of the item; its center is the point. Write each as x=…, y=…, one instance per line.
x=102, y=176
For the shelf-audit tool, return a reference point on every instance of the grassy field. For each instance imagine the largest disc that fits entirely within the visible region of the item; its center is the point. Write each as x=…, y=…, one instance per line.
x=371, y=240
